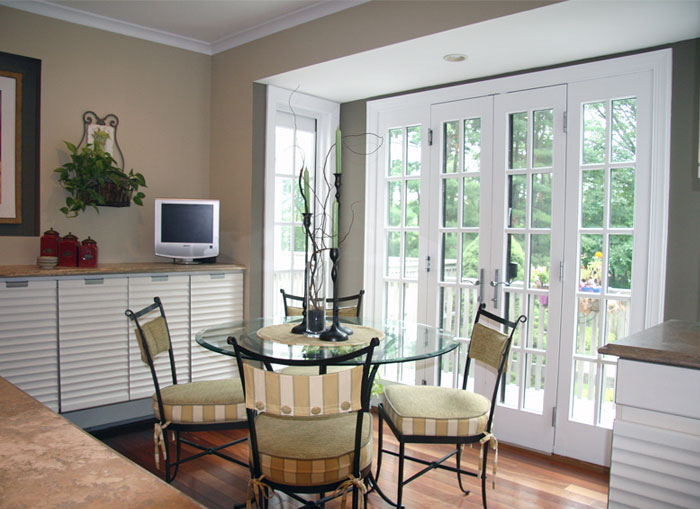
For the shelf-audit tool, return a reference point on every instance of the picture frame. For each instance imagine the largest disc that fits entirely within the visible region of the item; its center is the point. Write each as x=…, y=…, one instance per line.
x=20, y=79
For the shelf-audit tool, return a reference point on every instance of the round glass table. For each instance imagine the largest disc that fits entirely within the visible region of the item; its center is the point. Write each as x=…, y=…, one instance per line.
x=402, y=341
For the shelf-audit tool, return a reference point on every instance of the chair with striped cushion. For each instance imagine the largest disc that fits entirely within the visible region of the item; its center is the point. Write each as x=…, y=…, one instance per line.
x=443, y=415
x=308, y=434
x=184, y=407
x=349, y=306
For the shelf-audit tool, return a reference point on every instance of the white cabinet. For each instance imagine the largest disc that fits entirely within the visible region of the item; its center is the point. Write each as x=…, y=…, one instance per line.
x=93, y=344
x=174, y=293
x=28, y=338
x=215, y=298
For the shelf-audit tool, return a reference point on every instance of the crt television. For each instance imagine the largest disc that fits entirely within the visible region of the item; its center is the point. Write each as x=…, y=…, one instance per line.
x=187, y=230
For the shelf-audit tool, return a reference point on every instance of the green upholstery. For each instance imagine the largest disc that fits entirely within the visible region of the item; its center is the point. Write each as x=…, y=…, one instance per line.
x=309, y=451
x=202, y=402
x=436, y=411
x=156, y=338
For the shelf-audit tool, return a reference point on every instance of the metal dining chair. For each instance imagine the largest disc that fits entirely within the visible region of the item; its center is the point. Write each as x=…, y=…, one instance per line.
x=348, y=306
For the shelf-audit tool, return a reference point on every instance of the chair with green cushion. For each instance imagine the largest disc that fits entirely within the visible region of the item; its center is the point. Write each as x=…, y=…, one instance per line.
x=349, y=306
x=443, y=415
x=308, y=434
x=185, y=407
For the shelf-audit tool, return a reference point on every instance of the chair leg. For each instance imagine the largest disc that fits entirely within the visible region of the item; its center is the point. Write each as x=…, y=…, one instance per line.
x=380, y=443
x=483, y=474
x=399, y=484
x=459, y=469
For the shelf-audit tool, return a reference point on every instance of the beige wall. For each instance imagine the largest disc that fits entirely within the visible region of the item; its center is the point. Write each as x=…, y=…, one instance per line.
x=162, y=98
x=365, y=27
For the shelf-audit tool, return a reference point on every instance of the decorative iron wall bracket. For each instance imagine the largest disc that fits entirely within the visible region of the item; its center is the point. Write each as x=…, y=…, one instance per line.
x=108, y=123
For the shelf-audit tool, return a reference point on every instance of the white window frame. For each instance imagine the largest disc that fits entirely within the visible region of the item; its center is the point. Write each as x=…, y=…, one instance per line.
x=327, y=116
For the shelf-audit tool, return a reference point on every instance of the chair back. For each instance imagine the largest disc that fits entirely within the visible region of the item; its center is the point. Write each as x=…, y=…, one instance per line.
x=350, y=305
x=305, y=396
x=491, y=347
x=153, y=338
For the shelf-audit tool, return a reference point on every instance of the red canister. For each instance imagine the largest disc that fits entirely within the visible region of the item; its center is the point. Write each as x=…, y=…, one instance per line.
x=87, y=253
x=68, y=251
x=49, y=243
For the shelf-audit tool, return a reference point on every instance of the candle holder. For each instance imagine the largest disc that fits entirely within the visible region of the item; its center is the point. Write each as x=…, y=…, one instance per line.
x=300, y=328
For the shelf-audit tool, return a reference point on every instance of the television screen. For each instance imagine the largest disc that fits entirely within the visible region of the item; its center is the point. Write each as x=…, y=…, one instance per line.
x=186, y=229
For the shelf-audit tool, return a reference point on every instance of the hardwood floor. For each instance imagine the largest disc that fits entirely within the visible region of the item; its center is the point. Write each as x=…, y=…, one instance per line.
x=524, y=480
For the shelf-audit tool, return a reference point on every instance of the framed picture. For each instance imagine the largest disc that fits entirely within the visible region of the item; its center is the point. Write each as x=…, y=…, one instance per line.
x=19, y=144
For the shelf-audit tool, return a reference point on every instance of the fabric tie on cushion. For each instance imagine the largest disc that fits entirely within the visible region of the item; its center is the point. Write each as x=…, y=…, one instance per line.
x=491, y=440
x=346, y=486
x=159, y=441
x=257, y=490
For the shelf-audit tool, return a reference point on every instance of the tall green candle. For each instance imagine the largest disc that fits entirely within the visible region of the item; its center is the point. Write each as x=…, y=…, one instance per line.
x=334, y=233
x=338, y=154
x=307, y=197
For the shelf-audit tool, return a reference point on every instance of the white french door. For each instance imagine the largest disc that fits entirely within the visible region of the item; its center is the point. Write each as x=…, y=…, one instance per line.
x=535, y=201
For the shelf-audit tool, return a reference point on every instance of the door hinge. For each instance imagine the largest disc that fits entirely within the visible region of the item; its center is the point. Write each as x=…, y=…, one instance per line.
x=561, y=271
x=554, y=417
x=427, y=264
x=566, y=120
x=430, y=136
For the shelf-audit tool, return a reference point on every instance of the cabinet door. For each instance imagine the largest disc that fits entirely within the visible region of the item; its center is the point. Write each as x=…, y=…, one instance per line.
x=93, y=351
x=174, y=293
x=215, y=298
x=28, y=341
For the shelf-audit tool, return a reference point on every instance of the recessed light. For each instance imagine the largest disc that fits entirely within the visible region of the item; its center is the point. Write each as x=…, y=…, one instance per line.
x=455, y=57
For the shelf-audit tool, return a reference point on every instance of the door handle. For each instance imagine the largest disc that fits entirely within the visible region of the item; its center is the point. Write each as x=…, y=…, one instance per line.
x=495, y=284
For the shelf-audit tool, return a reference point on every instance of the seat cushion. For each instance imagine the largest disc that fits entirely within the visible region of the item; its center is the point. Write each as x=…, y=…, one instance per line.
x=311, y=451
x=202, y=402
x=310, y=370
x=436, y=411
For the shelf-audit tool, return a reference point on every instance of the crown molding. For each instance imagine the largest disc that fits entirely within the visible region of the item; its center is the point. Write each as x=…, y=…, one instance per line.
x=71, y=15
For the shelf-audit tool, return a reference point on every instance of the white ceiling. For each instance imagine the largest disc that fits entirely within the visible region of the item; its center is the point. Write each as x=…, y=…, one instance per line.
x=558, y=33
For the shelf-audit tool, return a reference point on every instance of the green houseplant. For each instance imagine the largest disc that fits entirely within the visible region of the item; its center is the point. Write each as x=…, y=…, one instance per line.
x=93, y=178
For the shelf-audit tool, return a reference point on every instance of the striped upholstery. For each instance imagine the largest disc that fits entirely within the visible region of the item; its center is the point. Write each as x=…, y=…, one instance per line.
x=311, y=451
x=342, y=311
x=202, y=402
x=487, y=345
x=291, y=395
x=436, y=411
x=156, y=332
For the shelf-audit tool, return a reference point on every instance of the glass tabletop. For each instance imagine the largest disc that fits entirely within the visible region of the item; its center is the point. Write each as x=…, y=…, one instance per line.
x=402, y=342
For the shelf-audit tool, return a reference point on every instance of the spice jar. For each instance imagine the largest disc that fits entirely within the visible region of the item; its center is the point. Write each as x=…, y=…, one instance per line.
x=87, y=253
x=49, y=243
x=68, y=251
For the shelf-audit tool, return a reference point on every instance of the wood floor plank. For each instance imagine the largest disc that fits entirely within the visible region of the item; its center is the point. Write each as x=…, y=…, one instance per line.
x=525, y=479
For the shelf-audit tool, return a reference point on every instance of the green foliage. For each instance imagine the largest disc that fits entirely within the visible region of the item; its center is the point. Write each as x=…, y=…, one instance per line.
x=90, y=170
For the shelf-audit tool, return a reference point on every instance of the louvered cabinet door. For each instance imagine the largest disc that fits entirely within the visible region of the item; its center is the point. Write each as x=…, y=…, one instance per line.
x=94, y=350
x=216, y=298
x=174, y=293
x=28, y=341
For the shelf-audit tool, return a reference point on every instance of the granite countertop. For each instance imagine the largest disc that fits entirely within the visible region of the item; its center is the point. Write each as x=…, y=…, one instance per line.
x=675, y=342
x=15, y=271
x=46, y=461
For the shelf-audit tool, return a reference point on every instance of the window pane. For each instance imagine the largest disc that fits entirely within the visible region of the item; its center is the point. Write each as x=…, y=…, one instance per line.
x=305, y=150
x=518, y=200
x=283, y=247
x=470, y=210
x=594, y=122
x=515, y=261
x=283, y=198
x=470, y=256
x=542, y=200
x=472, y=144
x=584, y=392
x=284, y=150
x=622, y=198
x=392, y=301
x=411, y=255
x=592, y=198
x=617, y=322
x=451, y=154
x=448, y=309
x=538, y=319
x=518, y=141
x=607, y=407
x=539, y=260
x=591, y=275
x=299, y=248
x=413, y=136
x=450, y=202
x=298, y=202
x=469, y=303
x=620, y=263
x=624, y=130
x=536, y=368
x=588, y=326
x=394, y=203
x=515, y=306
x=410, y=302
x=395, y=152
x=393, y=254
x=512, y=390
x=412, y=202
x=542, y=138
x=449, y=257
